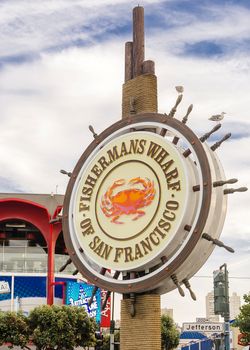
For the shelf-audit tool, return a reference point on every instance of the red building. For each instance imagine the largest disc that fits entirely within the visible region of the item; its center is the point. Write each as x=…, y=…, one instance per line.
x=32, y=252
x=31, y=240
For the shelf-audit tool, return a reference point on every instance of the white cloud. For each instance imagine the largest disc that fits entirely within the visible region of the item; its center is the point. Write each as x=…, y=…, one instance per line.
x=216, y=23
x=47, y=129
x=47, y=105
x=28, y=28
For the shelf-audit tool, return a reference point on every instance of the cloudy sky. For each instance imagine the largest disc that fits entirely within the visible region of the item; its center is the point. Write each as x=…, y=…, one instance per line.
x=62, y=68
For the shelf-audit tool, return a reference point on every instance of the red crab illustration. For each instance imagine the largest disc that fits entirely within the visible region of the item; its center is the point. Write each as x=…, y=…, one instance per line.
x=128, y=201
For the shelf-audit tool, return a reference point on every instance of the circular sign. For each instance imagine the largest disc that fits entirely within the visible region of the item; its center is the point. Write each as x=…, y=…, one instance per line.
x=131, y=207
x=130, y=200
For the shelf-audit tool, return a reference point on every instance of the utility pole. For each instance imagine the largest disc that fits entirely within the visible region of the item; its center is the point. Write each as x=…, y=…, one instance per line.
x=221, y=300
x=227, y=311
x=112, y=325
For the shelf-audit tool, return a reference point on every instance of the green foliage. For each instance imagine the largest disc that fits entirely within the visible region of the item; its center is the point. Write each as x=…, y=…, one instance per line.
x=169, y=333
x=61, y=327
x=243, y=319
x=48, y=327
x=14, y=329
x=106, y=340
x=65, y=327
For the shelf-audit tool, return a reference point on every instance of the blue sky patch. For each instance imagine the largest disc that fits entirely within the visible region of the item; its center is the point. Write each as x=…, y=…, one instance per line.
x=195, y=7
x=82, y=30
x=18, y=59
x=7, y=186
x=238, y=130
x=206, y=49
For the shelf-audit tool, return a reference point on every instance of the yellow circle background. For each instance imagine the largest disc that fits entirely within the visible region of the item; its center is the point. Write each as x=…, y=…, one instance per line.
x=106, y=230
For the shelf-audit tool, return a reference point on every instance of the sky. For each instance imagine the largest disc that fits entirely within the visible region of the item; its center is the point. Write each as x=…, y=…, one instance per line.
x=62, y=69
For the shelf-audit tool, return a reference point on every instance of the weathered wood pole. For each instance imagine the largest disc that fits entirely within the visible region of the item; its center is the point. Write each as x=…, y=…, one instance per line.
x=142, y=330
x=138, y=40
x=140, y=85
x=148, y=67
x=128, y=61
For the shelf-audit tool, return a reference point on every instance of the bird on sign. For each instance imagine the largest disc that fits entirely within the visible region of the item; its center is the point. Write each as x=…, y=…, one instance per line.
x=217, y=117
x=179, y=89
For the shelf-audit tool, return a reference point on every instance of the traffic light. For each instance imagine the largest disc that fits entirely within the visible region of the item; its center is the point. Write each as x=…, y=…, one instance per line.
x=221, y=305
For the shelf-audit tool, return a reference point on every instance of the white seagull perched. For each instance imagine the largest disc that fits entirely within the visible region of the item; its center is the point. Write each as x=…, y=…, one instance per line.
x=217, y=117
x=179, y=89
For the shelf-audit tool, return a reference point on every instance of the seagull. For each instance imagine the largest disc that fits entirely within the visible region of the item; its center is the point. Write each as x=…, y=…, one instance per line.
x=179, y=89
x=217, y=117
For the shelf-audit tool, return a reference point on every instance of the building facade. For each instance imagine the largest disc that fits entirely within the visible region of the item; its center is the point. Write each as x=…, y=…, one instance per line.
x=32, y=250
x=210, y=315
x=169, y=312
x=235, y=304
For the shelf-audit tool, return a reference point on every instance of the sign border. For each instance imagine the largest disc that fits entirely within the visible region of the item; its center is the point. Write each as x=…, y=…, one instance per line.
x=168, y=269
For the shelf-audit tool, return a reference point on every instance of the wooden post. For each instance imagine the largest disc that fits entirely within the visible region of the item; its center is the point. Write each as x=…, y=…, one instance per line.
x=138, y=40
x=128, y=61
x=148, y=67
x=140, y=81
x=141, y=330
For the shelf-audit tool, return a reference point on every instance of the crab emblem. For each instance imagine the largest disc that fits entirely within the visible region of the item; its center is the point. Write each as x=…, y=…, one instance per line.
x=128, y=201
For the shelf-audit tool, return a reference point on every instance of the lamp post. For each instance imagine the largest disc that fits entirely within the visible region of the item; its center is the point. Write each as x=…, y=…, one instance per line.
x=221, y=300
x=226, y=314
x=112, y=324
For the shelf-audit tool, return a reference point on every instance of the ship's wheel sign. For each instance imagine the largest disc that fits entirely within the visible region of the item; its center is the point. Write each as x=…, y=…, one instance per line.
x=130, y=200
x=145, y=203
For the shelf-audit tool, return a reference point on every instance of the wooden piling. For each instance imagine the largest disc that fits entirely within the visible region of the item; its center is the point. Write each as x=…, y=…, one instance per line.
x=142, y=329
x=128, y=61
x=148, y=67
x=138, y=40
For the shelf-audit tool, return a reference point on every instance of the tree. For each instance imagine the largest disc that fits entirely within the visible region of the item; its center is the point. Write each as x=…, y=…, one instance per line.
x=61, y=327
x=14, y=329
x=106, y=340
x=243, y=319
x=169, y=333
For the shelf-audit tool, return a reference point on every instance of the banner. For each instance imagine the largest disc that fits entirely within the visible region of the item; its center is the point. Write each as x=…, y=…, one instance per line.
x=78, y=294
x=105, y=314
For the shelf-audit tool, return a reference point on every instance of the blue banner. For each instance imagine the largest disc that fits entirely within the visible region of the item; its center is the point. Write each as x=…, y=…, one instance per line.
x=78, y=294
x=32, y=286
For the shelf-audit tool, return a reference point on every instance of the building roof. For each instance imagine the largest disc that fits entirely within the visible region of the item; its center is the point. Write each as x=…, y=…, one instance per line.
x=49, y=201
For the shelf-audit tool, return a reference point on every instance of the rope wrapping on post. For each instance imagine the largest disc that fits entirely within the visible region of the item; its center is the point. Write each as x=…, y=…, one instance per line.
x=144, y=91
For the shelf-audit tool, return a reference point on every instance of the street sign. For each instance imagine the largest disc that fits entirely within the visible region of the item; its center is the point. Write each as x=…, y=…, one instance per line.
x=159, y=233
x=207, y=328
x=202, y=319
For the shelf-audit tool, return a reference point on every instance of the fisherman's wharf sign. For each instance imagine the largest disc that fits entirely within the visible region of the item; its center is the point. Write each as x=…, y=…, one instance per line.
x=138, y=203
x=130, y=200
